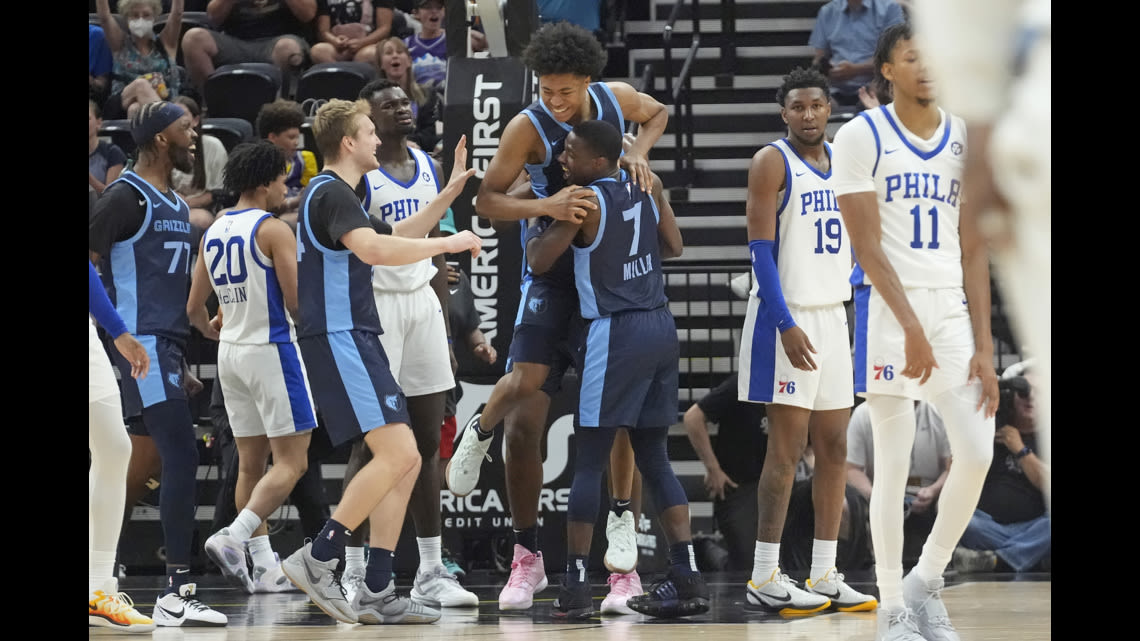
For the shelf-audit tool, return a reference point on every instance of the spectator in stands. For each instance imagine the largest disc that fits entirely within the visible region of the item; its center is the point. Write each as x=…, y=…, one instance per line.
x=428, y=47
x=144, y=70
x=395, y=63
x=99, y=64
x=105, y=160
x=1010, y=529
x=197, y=187
x=929, y=465
x=273, y=31
x=732, y=464
x=844, y=38
x=351, y=29
x=280, y=122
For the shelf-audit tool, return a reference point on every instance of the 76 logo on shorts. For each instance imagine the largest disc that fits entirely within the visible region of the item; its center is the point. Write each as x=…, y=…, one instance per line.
x=787, y=387
x=884, y=372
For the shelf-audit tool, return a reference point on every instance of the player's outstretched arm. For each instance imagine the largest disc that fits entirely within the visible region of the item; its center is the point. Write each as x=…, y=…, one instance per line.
x=425, y=220
x=381, y=249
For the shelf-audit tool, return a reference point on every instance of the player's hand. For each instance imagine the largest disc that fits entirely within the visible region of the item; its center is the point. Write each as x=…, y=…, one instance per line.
x=465, y=240
x=1008, y=436
x=637, y=166
x=216, y=324
x=920, y=361
x=715, y=480
x=982, y=368
x=799, y=349
x=460, y=173
x=486, y=353
x=570, y=203
x=135, y=353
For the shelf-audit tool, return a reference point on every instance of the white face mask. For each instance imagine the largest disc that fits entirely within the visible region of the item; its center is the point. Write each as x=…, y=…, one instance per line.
x=141, y=28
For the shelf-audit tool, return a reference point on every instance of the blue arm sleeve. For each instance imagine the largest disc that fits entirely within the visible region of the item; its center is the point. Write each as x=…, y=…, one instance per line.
x=768, y=285
x=100, y=306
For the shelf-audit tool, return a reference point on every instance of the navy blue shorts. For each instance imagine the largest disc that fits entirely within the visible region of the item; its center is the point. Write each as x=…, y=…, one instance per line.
x=163, y=380
x=352, y=383
x=630, y=371
x=547, y=331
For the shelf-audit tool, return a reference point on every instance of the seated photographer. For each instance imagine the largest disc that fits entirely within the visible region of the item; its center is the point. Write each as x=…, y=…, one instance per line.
x=1010, y=530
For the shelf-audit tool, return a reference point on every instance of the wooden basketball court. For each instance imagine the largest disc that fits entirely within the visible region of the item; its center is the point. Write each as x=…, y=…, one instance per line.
x=983, y=608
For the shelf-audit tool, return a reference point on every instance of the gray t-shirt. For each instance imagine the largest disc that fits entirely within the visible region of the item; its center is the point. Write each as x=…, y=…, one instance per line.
x=930, y=443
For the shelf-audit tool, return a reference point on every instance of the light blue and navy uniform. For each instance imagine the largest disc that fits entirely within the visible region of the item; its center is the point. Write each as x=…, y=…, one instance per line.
x=631, y=353
x=339, y=329
x=147, y=279
x=547, y=320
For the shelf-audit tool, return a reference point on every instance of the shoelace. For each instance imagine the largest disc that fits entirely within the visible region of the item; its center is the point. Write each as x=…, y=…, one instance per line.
x=520, y=579
x=193, y=603
x=906, y=619
x=115, y=604
x=938, y=620
x=622, y=582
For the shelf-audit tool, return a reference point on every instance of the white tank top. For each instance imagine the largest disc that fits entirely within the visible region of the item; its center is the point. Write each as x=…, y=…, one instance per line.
x=813, y=252
x=253, y=308
x=392, y=201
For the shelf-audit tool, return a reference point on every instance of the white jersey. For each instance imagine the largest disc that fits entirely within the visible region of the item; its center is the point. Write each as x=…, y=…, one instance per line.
x=392, y=201
x=919, y=188
x=813, y=252
x=252, y=305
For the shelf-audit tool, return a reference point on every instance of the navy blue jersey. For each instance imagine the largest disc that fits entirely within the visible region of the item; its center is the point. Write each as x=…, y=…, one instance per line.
x=334, y=287
x=147, y=275
x=546, y=177
x=621, y=270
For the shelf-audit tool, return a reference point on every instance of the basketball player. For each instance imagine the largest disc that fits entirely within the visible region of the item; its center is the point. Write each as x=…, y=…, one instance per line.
x=248, y=258
x=1008, y=175
x=411, y=301
x=140, y=235
x=565, y=58
x=110, y=456
x=795, y=355
x=629, y=364
x=339, y=334
x=922, y=314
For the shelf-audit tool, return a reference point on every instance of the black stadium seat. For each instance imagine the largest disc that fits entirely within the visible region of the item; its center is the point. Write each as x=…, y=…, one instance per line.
x=239, y=90
x=330, y=80
x=231, y=131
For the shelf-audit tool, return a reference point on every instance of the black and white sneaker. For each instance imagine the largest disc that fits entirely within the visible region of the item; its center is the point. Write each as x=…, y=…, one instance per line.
x=183, y=609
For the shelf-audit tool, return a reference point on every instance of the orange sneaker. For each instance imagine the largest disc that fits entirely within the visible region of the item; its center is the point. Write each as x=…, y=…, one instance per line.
x=110, y=608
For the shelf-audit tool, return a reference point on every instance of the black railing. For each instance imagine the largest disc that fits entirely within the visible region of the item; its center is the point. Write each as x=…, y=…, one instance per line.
x=644, y=86
x=684, y=158
x=727, y=43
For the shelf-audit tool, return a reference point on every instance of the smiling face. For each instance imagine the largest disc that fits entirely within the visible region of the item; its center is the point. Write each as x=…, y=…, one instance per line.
x=364, y=144
x=580, y=163
x=392, y=113
x=181, y=141
x=565, y=95
x=806, y=111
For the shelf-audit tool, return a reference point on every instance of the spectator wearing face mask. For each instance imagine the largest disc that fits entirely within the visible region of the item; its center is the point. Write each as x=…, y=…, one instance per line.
x=144, y=68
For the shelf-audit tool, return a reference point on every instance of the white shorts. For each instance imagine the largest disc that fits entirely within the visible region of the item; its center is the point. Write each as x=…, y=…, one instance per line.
x=880, y=345
x=766, y=375
x=415, y=340
x=101, y=381
x=266, y=389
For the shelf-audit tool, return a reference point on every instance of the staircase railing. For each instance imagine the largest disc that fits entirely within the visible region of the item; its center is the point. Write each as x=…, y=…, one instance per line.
x=684, y=163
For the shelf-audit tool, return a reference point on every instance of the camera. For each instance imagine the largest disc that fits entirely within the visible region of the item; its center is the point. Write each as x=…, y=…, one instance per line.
x=1007, y=388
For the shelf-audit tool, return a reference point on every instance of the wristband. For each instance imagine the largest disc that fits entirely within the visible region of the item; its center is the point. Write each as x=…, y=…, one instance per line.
x=768, y=285
x=1025, y=451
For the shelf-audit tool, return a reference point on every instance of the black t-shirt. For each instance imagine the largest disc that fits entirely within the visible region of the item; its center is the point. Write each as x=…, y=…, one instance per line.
x=119, y=213
x=335, y=212
x=1008, y=495
x=741, y=441
x=256, y=19
x=348, y=11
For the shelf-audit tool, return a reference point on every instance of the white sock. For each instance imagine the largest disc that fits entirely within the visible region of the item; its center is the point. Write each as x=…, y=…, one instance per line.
x=933, y=561
x=100, y=567
x=244, y=524
x=430, y=552
x=262, y=552
x=822, y=558
x=766, y=560
x=354, y=558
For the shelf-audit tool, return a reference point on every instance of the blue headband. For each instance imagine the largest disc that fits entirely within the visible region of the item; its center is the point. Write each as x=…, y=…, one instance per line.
x=150, y=122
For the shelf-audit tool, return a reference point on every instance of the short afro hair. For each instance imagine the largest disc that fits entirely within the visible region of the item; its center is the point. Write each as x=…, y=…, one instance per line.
x=252, y=165
x=562, y=47
x=602, y=138
x=277, y=116
x=802, y=78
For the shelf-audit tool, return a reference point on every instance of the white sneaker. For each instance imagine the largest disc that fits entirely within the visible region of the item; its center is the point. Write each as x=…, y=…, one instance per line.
x=843, y=597
x=925, y=599
x=897, y=625
x=271, y=580
x=352, y=577
x=621, y=537
x=780, y=594
x=228, y=553
x=183, y=609
x=463, y=468
x=437, y=588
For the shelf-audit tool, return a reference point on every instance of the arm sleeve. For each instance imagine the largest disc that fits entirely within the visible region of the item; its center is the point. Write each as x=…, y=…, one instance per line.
x=118, y=216
x=853, y=157
x=100, y=306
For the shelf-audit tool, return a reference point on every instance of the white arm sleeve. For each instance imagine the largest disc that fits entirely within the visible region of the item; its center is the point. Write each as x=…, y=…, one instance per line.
x=853, y=156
